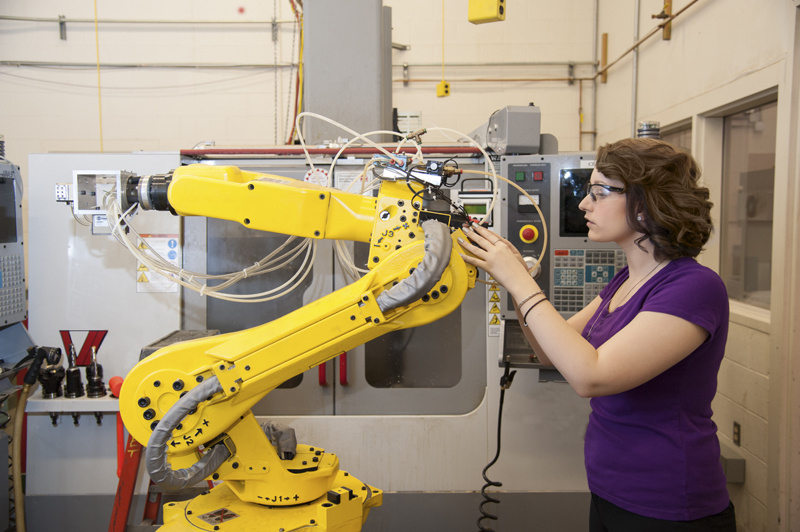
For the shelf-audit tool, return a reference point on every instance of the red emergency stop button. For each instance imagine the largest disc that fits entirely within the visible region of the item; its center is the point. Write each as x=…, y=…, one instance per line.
x=528, y=234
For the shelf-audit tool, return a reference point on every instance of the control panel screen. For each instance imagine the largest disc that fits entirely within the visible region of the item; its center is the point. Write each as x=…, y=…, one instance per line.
x=475, y=208
x=573, y=190
x=8, y=213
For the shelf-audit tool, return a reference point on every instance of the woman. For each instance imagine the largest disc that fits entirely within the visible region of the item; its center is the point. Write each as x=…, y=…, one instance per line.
x=647, y=350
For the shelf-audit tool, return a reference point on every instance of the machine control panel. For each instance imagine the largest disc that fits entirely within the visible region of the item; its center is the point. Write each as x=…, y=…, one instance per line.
x=12, y=268
x=522, y=223
x=574, y=269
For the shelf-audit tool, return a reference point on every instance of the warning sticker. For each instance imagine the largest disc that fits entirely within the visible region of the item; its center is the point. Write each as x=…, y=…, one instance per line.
x=495, y=324
x=168, y=247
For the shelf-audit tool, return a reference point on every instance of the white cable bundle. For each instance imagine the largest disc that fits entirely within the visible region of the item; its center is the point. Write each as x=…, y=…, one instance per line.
x=281, y=257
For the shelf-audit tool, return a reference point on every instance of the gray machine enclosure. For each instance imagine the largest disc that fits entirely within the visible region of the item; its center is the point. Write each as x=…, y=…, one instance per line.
x=515, y=130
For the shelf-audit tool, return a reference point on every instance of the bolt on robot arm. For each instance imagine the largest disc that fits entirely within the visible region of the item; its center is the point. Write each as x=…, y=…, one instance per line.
x=191, y=401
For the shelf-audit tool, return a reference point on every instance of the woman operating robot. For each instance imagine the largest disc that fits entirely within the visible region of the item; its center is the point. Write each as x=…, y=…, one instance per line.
x=647, y=350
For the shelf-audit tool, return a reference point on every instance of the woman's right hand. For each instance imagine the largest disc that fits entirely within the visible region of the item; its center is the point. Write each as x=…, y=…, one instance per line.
x=495, y=255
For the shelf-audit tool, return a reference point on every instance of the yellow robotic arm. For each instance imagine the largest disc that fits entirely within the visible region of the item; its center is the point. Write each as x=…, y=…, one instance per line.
x=191, y=401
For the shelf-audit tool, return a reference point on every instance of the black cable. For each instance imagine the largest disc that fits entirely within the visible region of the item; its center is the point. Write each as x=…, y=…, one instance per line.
x=416, y=193
x=505, y=383
x=24, y=359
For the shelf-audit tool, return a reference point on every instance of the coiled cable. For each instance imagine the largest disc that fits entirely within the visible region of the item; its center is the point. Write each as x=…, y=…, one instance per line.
x=505, y=383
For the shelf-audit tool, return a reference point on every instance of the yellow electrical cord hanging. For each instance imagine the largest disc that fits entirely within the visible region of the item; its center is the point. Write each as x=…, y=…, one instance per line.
x=443, y=88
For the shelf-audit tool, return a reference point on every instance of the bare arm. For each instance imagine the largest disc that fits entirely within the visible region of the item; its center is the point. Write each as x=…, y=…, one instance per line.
x=577, y=322
x=616, y=366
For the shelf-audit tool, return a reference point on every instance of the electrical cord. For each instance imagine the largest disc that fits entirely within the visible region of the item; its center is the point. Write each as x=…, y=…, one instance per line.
x=534, y=203
x=16, y=465
x=416, y=161
x=281, y=257
x=125, y=233
x=12, y=516
x=505, y=383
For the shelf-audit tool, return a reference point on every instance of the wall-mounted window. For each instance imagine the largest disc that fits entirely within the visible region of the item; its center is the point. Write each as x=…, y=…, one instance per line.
x=679, y=136
x=748, y=184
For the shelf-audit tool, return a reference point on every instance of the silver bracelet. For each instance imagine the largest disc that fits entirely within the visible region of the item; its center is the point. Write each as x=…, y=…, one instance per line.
x=519, y=305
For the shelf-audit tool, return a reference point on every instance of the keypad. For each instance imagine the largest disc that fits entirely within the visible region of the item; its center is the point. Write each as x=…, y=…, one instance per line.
x=579, y=275
x=12, y=286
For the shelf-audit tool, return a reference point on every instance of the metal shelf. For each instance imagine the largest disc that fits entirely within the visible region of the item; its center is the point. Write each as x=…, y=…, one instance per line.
x=68, y=406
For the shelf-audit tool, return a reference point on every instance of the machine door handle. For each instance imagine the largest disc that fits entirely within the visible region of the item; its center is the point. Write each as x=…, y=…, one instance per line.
x=343, y=369
x=323, y=371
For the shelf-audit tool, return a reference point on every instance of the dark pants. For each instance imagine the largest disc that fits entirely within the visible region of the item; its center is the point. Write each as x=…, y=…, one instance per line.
x=607, y=517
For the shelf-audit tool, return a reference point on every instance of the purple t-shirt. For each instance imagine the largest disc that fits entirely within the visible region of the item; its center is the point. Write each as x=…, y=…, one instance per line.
x=653, y=450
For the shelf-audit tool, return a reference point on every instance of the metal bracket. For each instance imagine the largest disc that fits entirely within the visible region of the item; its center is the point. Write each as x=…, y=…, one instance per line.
x=666, y=13
x=228, y=377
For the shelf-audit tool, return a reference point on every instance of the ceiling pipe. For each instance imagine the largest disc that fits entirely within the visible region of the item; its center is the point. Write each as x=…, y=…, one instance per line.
x=291, y=150
x=635, y=69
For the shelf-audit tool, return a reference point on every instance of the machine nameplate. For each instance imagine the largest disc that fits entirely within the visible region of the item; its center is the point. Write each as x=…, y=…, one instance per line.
x=219, y=516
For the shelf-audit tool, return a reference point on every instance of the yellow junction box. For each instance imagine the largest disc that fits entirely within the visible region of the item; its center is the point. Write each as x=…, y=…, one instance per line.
x=482, y=11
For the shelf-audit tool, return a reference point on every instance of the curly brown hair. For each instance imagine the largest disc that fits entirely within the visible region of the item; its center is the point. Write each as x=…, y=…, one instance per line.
x=661, y=184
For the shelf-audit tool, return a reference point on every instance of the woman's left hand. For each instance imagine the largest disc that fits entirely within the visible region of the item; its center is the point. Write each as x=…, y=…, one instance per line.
x=495, y=255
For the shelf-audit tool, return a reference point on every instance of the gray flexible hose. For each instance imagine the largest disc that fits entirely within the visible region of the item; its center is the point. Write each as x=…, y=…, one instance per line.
x=283, y=437
x=156, y=453
x=438, y=246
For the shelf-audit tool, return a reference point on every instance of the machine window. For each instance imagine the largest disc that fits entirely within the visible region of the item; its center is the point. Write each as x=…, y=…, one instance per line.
x=573, y=190
x=748, y=185
x=8, y=214
x=422, y=357
x=681, y=137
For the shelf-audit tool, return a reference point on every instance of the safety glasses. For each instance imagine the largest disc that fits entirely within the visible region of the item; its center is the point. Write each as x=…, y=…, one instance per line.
x=599, y=192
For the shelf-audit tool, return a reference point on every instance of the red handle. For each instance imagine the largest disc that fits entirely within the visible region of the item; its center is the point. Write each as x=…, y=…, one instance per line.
x=343, y=369
x=120, y=444
x=323, y=371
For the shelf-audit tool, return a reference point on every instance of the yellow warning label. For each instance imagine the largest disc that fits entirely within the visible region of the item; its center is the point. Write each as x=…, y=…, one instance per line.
x=143, y=268
x=142, y=279
x=494, y=321
x=495, y=298
x=141, y=245
x=495, y=309
x=494, y=288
